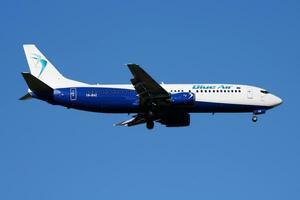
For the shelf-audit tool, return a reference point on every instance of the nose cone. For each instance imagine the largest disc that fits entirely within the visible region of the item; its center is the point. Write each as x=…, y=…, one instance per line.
x=276, y=101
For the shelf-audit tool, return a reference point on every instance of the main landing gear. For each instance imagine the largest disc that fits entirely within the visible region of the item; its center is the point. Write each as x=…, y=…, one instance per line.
x=150, y=125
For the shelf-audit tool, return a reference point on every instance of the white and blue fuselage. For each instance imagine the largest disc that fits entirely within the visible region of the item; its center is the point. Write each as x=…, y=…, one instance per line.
x=211, y=98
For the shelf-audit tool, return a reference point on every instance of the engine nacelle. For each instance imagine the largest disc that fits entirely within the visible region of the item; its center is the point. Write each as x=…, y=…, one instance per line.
x=183, y=98
x=176, y=120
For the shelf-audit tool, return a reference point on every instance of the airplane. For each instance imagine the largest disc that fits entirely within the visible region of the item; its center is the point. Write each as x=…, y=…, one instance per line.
x=145, y=98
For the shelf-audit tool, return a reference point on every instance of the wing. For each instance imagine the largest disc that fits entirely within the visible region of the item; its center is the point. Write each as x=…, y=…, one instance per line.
x=152, y=96
x=136, y=120
x=146, y=87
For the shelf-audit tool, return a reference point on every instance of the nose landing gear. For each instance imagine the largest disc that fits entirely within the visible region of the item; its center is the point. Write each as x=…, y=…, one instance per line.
x=254, y=118
x=257, y=112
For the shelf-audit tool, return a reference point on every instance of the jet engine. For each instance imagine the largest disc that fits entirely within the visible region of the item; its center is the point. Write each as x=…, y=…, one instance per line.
x=183, y=98
x=175, y=120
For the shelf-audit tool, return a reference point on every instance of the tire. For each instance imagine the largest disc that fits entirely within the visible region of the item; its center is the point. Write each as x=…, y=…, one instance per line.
x=254, y=118
x=150, y=125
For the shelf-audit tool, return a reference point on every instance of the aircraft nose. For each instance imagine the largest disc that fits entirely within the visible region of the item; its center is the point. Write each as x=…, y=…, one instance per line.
x=277, y=101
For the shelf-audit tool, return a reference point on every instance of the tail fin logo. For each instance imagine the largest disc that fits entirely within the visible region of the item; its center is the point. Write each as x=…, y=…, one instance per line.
x=39, y=62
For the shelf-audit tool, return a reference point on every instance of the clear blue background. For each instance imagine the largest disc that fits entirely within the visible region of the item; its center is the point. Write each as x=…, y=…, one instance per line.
x=49, y=152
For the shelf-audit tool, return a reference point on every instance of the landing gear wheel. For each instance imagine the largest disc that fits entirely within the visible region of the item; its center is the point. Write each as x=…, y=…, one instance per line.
x=150, y=125
x=254, y=118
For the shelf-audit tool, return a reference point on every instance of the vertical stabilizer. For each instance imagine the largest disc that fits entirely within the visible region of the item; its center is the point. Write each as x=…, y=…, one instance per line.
x=42, y=68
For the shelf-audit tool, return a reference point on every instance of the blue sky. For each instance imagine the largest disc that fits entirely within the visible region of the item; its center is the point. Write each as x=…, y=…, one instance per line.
x=49, y=152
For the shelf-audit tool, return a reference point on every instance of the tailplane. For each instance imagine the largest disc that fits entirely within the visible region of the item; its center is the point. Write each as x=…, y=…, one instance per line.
x=26, y=97
x=37, y=88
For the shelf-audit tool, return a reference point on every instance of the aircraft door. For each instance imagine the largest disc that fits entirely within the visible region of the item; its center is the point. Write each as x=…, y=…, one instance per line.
x=262, y=96
x=250, y=94
x=73, y=94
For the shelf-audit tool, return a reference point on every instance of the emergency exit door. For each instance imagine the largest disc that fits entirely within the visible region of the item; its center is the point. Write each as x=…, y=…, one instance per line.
x=250, y=94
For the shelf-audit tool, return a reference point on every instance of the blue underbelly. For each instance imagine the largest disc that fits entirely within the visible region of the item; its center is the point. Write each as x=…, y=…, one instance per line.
x=99, y=99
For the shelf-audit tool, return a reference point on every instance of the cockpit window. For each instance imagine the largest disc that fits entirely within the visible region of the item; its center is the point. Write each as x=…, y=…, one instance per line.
x=264, y=91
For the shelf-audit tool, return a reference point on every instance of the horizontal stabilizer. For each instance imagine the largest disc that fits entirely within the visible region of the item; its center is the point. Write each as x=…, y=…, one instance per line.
x=26, y=97
x=37, y=86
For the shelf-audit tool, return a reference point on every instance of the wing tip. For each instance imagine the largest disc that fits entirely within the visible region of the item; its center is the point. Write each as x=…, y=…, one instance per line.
x=120, y=124
x=25, y=97
x=131, y=65
x=28, y=46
